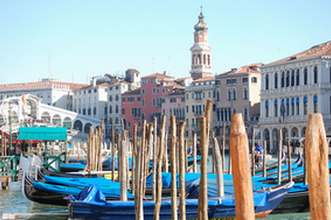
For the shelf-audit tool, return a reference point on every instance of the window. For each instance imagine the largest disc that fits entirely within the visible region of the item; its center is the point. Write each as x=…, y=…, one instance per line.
x=292, y=78
x=193, y=108
x=266, y=106
x=105, y=110
x=234, y=95
x=297, y=105
x=276, y=80
x=292, y=106
x=305, y=102
x=94, y=111
x=116, y=109
x=116, y=98
x=245, y=114
x=254, y=80
x=229, y=94
x=266, y=82
x=287, y=106
x=245, y=80
x=89, y=111
x=315, y=74
x=297, y=77
x=245, y=94
x=315, y=102
x=276, y=108
x=217, y=96
x=231, y=81
x=305, y=76
x=283, y=79
x=287, y=78
x=110, y=98
x=110, y=109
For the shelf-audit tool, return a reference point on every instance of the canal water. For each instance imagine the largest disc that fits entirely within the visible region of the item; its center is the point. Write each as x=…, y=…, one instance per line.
x=13, y=202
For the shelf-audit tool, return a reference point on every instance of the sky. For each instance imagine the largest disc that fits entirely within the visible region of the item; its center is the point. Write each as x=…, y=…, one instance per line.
x=72, y=40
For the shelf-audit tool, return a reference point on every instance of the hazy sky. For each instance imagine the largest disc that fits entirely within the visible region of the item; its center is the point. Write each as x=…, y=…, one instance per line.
x=72, y=40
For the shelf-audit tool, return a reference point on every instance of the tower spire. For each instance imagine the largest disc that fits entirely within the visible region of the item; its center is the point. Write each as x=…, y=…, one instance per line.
x=201, y=52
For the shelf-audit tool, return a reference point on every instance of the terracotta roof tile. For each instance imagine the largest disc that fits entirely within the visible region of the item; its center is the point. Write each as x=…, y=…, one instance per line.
x=320, y=50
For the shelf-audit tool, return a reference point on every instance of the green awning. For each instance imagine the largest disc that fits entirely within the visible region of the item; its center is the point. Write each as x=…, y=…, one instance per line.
x=42, y=133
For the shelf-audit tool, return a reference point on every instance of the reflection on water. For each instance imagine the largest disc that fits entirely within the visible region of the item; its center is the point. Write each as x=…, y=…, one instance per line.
x=12, y=201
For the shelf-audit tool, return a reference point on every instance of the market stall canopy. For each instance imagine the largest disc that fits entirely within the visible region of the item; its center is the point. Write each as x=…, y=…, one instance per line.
x=42, y=133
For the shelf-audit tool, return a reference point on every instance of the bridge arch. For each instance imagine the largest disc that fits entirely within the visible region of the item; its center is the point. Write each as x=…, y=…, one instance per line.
x=45, y=116
x=78, y=125
x=67, y=122
x=87, y=127
x=57, y=120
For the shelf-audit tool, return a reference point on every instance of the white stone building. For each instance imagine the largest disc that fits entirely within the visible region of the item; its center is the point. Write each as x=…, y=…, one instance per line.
x=102, y=99
x=291, y=88
x=51, y=92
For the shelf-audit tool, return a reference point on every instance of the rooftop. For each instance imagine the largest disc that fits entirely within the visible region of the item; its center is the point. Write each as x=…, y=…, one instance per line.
x=43, y=84
x=162, y=76
x=317, y=51
x=251, y=68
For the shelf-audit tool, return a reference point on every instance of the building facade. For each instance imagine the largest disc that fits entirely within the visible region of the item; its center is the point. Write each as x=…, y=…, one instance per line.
x=291, y=88
x=196, y=95
x=237, y=91
x=174, y=104
x=51, y=92
x=102, y=99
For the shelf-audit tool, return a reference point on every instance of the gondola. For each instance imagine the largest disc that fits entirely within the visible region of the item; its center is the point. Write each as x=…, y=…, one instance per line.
x=92, y=204
x=55, y=194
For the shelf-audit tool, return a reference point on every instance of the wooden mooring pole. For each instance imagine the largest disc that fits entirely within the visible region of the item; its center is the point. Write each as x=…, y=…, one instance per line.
x=265, y=159
x=159, y=170
x=155, y=150
x=316, y=148
x=280, y=154
x=289, y=164
x=173, y=128
x=182, y=170
x=124, y=163
x=219, y=169
x=242, y=179
x=203, y=193
x=194, y=145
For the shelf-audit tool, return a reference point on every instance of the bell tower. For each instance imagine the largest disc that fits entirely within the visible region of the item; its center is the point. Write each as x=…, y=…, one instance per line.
x=200, y=51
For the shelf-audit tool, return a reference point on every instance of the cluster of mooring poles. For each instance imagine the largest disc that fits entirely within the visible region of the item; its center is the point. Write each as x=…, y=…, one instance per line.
x=149, y=144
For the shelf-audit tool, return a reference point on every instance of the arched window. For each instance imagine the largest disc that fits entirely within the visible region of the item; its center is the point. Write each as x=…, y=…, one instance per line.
x=266, y=106
x=193, y=57
x=199, y=59
x=315, y=74
x=229, y=95
x=266, y=82
x=287, y=78
x=276, y=108
x=283, y=79
x=208, y=60
x=305, y=105
x=297, y=77
x=305, y=76
x=315, y=102
x=276, y=80
x=292, y=78
x=204, y=59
